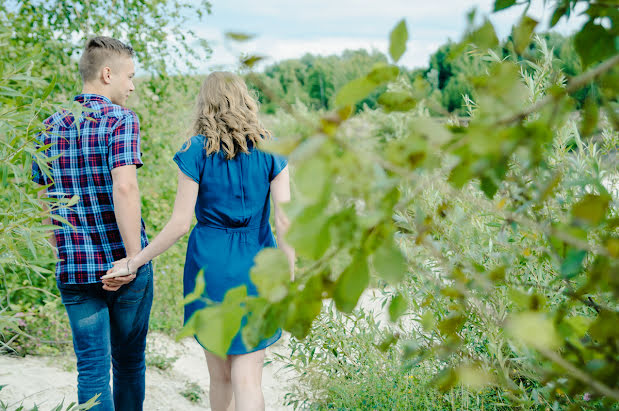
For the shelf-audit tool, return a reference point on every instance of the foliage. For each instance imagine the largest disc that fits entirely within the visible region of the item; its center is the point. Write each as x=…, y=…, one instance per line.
x=529, y=309
x=193, y=392
x=38, y=73
x=60, y=28
x=59, y=407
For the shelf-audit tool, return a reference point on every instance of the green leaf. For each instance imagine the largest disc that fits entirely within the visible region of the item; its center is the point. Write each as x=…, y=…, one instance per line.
x=271, y=274
x=558, y=13
x=594, y=43
x=351, y=283
x=522, y=33
x=354, y=91
x=591, y=209
x=311, y=177
x=590, y=116
x=198, y=290
x=451, y=324
x=572, y=265
x=250, y=61
x=484, y=37
x=503, y=4
x=396, y=101
x=309, y=232
x=389, y=262
x=397, y=307
x=397, y=40
x=360, y=88
x=534, y=329
x=488, y=186
x=215, y=326
x=236, y=36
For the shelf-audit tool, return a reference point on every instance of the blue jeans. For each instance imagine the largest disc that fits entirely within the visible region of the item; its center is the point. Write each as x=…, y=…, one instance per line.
x=110, y=323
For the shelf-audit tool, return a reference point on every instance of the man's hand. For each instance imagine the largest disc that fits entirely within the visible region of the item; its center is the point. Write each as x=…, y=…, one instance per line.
x=117, y=276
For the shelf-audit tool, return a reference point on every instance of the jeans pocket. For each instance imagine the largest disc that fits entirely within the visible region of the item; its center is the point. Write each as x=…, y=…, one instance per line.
x=73, y=293
x=136, y=290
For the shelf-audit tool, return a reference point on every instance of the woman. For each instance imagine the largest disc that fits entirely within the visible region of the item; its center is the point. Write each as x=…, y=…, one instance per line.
x=228, y=181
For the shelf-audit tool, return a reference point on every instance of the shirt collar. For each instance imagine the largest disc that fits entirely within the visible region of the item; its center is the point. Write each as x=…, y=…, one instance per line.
x=82, y=98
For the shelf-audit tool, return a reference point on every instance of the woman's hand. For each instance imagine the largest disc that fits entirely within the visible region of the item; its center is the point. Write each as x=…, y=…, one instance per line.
x=121, y=273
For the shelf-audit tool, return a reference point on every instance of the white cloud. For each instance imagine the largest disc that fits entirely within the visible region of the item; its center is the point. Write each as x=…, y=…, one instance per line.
x=291, y=29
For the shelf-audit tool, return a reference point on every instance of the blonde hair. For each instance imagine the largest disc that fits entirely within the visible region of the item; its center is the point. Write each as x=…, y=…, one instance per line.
x=98, y=51
x=227, y=115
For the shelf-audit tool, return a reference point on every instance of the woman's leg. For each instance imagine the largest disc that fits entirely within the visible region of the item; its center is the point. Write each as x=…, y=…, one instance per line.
x=247, y=380
x=220, y=390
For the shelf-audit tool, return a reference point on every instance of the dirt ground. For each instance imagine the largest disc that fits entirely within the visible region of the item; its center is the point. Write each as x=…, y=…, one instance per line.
x=172, y=369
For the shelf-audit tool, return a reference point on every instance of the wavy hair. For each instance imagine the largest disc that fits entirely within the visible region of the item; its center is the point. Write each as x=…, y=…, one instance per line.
x=227, y=115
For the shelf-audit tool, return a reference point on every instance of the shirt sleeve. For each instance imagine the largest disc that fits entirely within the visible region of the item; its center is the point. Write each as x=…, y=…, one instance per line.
x=279, y=163
x=124, y=143
x=37, y=174
x=190, y=158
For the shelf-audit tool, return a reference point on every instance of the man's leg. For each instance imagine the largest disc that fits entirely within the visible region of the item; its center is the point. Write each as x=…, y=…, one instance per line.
x=90, y=324
x=129, y=315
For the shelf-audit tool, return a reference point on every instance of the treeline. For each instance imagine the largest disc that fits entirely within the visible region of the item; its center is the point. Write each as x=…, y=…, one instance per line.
x=314, y=80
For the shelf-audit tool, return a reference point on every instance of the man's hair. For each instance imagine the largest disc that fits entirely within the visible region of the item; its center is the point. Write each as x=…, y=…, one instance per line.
x=97, y=52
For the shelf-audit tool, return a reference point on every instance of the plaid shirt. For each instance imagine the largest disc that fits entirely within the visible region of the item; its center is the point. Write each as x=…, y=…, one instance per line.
x=108, y=137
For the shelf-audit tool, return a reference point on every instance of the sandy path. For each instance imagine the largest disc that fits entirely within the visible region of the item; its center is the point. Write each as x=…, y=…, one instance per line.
x=48, y=380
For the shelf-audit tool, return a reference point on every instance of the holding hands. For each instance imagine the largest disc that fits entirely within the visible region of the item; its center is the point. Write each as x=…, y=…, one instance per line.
x=121, y=273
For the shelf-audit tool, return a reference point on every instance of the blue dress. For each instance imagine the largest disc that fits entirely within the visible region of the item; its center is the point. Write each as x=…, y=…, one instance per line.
x=232, y=210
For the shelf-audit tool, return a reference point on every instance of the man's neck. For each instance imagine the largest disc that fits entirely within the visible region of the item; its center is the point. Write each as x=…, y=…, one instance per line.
x=91, y=89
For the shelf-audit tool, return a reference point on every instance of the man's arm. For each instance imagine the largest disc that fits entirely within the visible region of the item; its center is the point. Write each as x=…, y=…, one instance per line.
x=48, y=220
x=126, y=195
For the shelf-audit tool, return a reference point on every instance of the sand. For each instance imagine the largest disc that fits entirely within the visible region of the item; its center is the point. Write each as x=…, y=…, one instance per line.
x=47, y=381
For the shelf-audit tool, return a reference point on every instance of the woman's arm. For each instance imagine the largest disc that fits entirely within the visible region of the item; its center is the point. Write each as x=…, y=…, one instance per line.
x=280, y=192
x=177, y=226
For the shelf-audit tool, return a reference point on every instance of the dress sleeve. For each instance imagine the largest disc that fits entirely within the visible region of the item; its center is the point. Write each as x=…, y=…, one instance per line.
x=124, y=143
x=278, y=164
x=190, y=158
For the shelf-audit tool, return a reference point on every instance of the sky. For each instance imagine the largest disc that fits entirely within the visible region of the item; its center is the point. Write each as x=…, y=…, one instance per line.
x=289, y=29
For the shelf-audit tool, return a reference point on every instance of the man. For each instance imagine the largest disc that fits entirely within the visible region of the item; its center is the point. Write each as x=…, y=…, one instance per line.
x=97, y=157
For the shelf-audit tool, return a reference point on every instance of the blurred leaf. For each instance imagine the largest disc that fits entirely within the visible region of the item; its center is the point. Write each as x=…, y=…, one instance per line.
x=351, y=283
x=396, y=101
x=397, y=40
x=591, y=209
x=473, y=377
x=559, y=12
x=250, y=61
x=503, y=4
x=605, y=326
x=309, y=232
x=594, y=43
x=397, y=307
x=198, y=290
x=271, y=274
x=359, y=88
x=483, y=37
x=572, y=265
x=590, y=116
x=389, y=262
x=522, y=33
x=451, y=324
x=236, y=36
x=534, y=329
x=215, y=326
x=428, y=322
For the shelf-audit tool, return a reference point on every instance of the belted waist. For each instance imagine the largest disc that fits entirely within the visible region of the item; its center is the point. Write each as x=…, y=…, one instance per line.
x=233, y=229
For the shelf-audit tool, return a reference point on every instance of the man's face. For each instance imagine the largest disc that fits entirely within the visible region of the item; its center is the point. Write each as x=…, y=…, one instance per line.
x=121, y=80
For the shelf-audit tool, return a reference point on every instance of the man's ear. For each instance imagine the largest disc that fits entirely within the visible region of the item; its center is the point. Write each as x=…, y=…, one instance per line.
x=106, y=75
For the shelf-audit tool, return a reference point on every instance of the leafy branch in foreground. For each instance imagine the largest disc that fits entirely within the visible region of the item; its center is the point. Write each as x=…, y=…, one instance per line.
x=535, y=293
